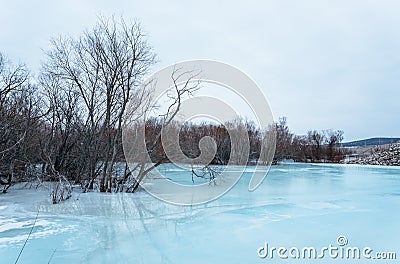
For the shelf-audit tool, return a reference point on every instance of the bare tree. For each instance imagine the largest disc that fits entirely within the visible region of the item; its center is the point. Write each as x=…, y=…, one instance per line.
x=61, y=147
x=283, y=140
x=316, y=140
x=333, y=139
x=18, y=120
x=105, y=66
x=12, y=79
x=300, y=149
x=152, y=144
x=239, y=141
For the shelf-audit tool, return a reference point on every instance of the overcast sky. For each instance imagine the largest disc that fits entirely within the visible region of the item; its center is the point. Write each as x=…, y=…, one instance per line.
x=322, y=64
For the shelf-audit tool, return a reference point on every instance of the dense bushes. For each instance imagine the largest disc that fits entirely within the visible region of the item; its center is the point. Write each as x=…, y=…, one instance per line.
x=316, y=146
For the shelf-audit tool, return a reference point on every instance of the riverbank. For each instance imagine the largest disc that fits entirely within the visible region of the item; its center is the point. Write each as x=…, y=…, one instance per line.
x=386, y=156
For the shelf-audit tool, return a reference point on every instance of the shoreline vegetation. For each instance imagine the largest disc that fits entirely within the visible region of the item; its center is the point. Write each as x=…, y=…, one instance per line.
x=65, y=125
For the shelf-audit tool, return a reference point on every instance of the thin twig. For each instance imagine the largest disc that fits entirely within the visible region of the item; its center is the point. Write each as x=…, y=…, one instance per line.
x=22, y=249
x=51, y=257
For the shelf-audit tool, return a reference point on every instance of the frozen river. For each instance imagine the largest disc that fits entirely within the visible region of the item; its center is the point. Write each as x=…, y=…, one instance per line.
x=297, y=206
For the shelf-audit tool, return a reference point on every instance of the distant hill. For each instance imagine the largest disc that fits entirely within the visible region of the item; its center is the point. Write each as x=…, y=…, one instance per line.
x=371, y=142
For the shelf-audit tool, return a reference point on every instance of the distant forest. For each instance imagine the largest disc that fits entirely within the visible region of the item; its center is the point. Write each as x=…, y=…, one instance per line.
x=65, y=125
x=316, y=146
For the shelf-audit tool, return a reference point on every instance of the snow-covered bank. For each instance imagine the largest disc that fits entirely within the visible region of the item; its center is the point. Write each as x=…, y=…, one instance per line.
x=386, y=156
